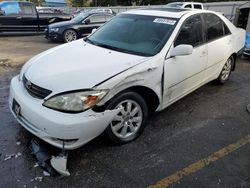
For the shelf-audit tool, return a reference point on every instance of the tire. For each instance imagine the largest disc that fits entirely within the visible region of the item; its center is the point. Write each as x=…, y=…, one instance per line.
x=226, y=71
x=70, y=35
x=129, y=123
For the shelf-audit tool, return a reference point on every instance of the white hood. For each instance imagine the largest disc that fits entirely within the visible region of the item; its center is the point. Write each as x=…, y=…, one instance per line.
x=77, y=65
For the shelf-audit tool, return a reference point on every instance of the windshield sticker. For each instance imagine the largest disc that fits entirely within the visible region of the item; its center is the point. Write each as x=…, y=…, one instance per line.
x=164, y=21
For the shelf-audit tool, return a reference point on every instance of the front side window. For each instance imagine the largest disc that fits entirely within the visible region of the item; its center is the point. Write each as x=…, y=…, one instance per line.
x=191, y=32
x=10, y=8
x=188, y=6
x=80, y=17
x=134, y=34
x=215, y=27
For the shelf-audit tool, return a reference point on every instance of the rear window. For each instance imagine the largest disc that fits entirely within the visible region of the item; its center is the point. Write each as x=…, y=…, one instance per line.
x=197, y=6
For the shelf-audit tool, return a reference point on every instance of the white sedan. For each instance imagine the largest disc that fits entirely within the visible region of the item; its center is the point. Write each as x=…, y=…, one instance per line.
x=140, y=62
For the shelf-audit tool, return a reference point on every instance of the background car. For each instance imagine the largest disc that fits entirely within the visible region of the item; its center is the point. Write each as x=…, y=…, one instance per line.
x=80, y=26
x=246, y=51
x=188, y=5
x=23, y=16
x=110, y=11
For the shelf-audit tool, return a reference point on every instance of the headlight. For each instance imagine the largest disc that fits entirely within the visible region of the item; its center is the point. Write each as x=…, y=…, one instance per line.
x=54, y=29
x=75, y=102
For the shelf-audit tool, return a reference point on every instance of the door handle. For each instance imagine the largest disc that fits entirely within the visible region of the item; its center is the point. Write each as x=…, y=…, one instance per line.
x=19, y=17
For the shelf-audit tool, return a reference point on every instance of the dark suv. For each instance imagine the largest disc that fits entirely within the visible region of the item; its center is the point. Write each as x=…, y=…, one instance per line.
x=78, y=27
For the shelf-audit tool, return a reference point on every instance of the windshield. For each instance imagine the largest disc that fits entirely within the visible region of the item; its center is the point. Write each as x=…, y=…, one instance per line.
x=134, y=34
x=80, y=17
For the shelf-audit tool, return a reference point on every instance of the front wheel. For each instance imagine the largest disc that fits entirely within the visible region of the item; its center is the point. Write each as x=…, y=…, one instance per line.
x=226, y=71
x=129, y=123
x=69, y=35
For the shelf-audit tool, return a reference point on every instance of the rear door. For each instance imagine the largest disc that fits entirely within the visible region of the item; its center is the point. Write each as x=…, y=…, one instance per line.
x=10, y=19
x=29, y=17
x=218, y=38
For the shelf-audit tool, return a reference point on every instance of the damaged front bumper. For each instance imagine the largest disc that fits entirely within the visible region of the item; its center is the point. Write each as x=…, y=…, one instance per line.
x=55, y=127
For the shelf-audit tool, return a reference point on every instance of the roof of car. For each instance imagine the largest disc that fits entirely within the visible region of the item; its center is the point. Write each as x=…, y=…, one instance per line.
x=165, y=12
x=186, y=3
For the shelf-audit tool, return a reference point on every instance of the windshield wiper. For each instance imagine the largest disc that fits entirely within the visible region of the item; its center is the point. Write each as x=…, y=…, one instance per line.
x=89, y=41
x=109, y=47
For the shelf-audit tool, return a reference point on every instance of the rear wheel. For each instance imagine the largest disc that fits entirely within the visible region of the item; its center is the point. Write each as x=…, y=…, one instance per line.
x=69, y=35
x=129, y=123
x=226, y=71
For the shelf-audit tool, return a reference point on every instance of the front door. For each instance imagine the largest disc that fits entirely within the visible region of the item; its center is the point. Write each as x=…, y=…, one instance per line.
x=182, y=74
x=10, y=17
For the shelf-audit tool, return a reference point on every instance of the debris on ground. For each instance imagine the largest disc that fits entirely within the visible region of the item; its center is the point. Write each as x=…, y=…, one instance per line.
x=18, y=154
x=38, y=178
x=7, y=157
x=248, y=108
x=5, y=63
x=35, y=165
x=18, y=143
x=45, y=173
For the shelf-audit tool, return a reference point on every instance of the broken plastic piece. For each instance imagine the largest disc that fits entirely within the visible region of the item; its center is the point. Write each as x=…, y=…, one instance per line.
x=42, y=155
x=59, y=163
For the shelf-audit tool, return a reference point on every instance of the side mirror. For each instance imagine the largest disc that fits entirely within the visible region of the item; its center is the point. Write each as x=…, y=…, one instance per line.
x=181, y=50
x=87, y=21
x=93, y=30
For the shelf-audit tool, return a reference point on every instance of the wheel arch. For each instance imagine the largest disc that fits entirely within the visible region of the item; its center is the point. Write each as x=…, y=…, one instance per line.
x=70, y=28
x=235, y=58
x=151, y=98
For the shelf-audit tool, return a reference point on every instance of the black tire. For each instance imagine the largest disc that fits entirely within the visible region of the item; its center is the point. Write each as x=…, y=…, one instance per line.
x=226, y=71
x=122, y=99
x=67, y=33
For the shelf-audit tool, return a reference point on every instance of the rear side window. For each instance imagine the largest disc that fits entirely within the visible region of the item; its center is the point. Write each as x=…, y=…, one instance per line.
x=191, y=32
x=215, y=27
x=197, y=6
x=27, y=9
x=10, y=8
x=226, y=30
x=97, y=18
